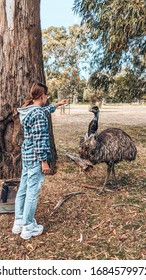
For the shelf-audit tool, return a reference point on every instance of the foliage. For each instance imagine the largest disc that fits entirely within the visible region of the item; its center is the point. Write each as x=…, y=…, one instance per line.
x=100, y=80
x=66, y=52
x=97, y=87
x=90, y=95
x=63, y=48
x=66, y=85
x=93, y=95
x=126, y=86
x=118, y=28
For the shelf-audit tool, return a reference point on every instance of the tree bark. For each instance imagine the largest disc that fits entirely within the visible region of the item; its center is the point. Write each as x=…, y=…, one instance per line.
x=21, y=65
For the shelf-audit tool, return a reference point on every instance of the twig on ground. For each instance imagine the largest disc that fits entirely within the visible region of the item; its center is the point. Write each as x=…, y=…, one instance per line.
x=95, y=188
x=89, y=187
x=62, y=200
x=118, y=205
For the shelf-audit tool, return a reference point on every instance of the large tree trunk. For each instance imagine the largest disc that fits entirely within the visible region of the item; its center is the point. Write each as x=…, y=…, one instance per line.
x=21, y=64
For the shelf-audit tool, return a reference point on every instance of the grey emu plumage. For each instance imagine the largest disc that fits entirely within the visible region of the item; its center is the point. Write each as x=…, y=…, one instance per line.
x=111, y=146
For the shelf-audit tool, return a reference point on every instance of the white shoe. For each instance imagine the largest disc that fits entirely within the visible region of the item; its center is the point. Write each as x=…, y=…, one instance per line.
x=17, y=227
x=31, y=230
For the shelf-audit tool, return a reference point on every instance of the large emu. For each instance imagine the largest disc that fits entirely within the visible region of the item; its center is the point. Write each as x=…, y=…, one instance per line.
x=111, y=146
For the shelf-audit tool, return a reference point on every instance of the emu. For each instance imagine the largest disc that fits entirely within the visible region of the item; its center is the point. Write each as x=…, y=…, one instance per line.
x=111, y=146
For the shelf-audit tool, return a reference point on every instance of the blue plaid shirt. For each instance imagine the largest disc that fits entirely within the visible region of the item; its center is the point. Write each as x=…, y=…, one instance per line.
x=36, y=144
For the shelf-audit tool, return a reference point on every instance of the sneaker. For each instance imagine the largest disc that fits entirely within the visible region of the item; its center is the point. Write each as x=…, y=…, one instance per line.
x=31, y=230
x=17, y=227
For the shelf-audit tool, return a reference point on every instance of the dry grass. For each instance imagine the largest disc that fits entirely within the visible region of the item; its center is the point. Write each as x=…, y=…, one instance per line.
x=87, y=226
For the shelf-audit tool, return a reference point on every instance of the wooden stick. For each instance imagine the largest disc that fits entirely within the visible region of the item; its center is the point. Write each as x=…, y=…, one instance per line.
x=95, y=188
x=122, y=205
x=89, y=187
x=62, y=200
x=84, y=164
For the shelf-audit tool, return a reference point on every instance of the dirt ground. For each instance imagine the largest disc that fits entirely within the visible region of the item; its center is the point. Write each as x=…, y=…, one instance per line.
x=88, y=226
x=109, y=114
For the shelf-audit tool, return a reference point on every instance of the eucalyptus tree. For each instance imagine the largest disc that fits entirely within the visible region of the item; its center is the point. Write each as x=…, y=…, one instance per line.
x=125, y=86
x=128, y=86
x=65, y=48
x=21, y=64
x=66, y=54
x=118, y=28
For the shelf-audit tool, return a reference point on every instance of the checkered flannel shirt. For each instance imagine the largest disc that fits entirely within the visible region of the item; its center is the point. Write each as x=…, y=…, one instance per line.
x=36, y=144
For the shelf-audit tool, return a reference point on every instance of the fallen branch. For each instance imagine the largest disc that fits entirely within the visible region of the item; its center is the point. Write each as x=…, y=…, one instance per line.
x=89, y=187
x=62, y=200
x=123, y=205
x=94, y=188
x=84, y=164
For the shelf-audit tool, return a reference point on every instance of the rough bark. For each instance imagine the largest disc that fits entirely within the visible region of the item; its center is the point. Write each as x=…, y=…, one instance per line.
x=21, y=65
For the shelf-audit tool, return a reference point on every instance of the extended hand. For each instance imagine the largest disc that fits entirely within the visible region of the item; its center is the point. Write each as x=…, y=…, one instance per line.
x=62, y=102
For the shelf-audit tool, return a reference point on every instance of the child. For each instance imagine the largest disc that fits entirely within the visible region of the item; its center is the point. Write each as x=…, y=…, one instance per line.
x=35, y=157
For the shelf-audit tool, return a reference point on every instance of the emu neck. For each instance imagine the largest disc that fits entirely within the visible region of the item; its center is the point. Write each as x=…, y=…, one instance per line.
x=96, y=115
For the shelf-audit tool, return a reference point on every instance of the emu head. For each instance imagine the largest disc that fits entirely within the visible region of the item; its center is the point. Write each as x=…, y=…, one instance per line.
x=87, y=146
x=94, y=109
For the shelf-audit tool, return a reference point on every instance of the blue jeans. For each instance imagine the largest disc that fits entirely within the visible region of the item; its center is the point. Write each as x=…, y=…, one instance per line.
x=27, y=195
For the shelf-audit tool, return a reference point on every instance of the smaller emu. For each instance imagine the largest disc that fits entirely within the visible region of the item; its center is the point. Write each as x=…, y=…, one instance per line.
x=111, y=146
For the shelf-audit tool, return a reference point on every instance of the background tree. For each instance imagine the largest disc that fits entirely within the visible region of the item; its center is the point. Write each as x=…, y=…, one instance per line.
x=66, y=85
x=97, y=87
x=100, y=80
x=63, y=48
x=21, y=65
x=91, y=95
x=128, y=86
x=66, y=52
x=118, y=28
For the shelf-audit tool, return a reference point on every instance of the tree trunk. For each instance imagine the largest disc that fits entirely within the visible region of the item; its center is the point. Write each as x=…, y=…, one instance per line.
x=21, y=65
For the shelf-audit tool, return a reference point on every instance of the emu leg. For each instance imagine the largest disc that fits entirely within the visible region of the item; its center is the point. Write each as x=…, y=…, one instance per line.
x=106, y=179
x=114, y=176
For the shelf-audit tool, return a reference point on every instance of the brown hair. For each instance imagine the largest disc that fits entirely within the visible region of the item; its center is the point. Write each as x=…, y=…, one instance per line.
x=36, y=91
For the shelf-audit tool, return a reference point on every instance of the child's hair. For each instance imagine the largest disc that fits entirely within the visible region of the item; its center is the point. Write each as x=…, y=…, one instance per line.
x=36, y=91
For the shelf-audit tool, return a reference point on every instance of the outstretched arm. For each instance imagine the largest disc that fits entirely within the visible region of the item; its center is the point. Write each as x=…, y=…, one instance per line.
x=51, y=108
x=62, y=102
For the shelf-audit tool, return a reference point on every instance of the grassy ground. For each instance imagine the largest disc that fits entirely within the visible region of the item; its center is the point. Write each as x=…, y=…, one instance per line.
x=86, y=226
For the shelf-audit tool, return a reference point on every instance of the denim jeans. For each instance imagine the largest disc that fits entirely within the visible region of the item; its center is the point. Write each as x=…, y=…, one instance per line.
x=27, y=195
